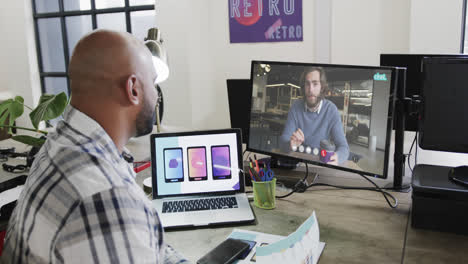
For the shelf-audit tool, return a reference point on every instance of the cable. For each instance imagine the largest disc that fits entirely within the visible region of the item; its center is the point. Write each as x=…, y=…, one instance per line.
x=286, y=195
x=14, y=168
x=411, y=149
x=416, y=154
x=301, y=187
x=307, y=173
x=384, y=193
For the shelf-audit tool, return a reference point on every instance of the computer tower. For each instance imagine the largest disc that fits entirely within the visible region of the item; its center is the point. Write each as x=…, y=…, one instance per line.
x=438, y=203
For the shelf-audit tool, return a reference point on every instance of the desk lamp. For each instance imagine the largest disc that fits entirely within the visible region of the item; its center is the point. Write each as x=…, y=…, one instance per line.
x=154, y=43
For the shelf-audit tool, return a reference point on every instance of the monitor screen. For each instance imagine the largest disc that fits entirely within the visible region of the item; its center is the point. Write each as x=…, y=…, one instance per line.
x=336, y=116
x=444, y=122
x=413, y=64
x=239, y=105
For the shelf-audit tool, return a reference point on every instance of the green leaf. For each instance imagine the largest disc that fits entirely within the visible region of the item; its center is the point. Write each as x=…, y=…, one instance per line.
x=11, y=109
x=50, y=106
x=29, y=140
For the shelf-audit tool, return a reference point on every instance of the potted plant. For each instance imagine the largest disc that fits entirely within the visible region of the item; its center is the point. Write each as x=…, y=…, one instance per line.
x=50, y=107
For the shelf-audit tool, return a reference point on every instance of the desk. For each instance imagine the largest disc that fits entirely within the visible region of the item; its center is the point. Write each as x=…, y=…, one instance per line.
x=355, y=230
x=357, y=226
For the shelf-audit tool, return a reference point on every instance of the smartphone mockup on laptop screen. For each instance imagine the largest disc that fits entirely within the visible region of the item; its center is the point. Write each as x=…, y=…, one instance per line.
x=197, y=178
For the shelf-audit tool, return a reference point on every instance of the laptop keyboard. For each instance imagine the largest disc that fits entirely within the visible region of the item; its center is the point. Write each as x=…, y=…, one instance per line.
x=199, y=204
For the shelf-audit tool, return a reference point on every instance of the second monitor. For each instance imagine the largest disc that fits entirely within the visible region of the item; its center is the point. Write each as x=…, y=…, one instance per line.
x=337, y=116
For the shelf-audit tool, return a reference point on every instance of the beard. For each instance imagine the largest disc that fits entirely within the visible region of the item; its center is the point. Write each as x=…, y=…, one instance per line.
x=145, y=120
x=312, y=105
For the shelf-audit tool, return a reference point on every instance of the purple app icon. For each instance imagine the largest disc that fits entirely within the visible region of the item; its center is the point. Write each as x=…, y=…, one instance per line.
x=173, y=164
x=221, y=162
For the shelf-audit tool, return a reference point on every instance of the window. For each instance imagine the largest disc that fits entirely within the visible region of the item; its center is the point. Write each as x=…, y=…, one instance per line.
x=59, y=24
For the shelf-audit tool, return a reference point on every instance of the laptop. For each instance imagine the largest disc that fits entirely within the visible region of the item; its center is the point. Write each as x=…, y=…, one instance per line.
x=197, y=178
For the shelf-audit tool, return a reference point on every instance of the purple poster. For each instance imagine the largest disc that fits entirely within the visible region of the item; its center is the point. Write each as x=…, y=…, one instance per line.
x=265, y=20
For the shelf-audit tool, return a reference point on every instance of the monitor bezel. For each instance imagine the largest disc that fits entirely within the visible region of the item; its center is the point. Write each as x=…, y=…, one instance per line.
x=422, y=143
x=391, y=107
x=231, y=84
x=236, y=131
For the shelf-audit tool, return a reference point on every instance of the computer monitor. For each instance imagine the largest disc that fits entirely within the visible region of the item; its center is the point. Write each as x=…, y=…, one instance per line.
x=340, y=109
x=239, y=91
x=444, y=119
x=413, y=64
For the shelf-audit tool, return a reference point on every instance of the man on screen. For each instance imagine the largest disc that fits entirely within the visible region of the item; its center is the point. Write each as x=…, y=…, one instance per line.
x=315, y=118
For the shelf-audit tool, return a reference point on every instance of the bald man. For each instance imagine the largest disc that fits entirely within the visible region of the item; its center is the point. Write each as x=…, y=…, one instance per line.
x=81, y=203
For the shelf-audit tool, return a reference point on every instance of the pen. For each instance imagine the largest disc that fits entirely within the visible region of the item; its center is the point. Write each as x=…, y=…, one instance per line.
x=251, y=175
x=255, y=175
x=256, y=163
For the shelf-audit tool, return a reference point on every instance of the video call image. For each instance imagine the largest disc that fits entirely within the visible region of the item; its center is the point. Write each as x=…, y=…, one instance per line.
x=197, y=163
x=174, y=170
x=335, y=114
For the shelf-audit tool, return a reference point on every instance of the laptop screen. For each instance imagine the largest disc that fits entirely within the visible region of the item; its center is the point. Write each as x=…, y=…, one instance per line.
x=196, y=162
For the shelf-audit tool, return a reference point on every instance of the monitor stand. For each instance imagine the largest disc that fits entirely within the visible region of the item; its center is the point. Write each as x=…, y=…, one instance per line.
x=459, y=175
x=403, y=187
x=283, y=163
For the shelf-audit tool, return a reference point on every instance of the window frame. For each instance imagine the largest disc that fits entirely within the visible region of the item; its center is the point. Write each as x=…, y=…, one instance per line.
x=62, y=15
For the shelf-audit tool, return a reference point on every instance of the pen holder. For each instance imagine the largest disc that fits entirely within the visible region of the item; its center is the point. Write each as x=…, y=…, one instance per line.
x=264, y=194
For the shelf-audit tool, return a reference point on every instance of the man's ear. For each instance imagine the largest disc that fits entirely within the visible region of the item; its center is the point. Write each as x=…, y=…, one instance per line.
x=132, y=90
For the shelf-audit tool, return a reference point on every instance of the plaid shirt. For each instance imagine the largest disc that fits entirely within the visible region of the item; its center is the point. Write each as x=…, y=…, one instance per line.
x=81, y=204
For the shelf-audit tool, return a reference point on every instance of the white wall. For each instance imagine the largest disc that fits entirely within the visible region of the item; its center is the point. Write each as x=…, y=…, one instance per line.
x=19, y=73
x=177, y=96
x=197, y=36
x=363, y=29
x=395, y=17
x=201, y=58
x=322, y=27
x=435, y=26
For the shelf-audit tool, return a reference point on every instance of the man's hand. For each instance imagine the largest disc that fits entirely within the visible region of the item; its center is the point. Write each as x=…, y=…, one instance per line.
x=296, y=138
x=333, y=159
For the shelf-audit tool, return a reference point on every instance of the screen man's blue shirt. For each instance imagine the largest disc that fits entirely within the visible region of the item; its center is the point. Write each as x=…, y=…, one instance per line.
x=316, y=126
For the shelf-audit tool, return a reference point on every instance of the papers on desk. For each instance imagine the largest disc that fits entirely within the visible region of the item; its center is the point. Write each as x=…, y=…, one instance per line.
x=10, y=195
x=302, y=246
x=252, y=236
